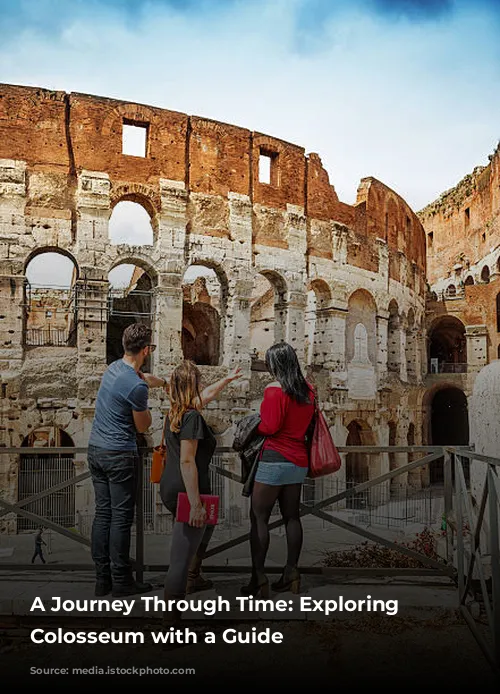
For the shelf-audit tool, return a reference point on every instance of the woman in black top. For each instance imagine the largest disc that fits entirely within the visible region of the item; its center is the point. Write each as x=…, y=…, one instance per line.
x=190, y=446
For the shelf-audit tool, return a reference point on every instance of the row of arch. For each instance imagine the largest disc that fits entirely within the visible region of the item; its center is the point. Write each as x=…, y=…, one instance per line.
x=451, y=290
x=205, y=312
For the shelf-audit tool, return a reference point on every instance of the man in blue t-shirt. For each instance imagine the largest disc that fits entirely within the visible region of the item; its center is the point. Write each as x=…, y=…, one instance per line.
x=121, y=412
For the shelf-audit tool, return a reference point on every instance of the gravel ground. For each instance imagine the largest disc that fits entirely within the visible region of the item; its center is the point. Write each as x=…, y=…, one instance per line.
x=429, y=652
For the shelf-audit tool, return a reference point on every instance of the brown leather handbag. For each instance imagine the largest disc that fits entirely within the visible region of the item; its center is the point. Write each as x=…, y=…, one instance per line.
x=159, y=458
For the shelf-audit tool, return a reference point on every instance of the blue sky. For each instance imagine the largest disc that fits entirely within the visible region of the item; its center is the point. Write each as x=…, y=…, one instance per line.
x=404, y=90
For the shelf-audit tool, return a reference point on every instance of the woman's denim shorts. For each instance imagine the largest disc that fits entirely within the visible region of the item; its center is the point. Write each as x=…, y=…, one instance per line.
x=277, y=474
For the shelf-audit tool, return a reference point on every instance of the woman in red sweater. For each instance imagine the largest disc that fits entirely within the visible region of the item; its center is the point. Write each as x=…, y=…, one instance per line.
x=286, y=414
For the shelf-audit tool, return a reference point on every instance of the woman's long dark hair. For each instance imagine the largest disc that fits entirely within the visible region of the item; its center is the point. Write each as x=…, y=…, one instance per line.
x=283, y=365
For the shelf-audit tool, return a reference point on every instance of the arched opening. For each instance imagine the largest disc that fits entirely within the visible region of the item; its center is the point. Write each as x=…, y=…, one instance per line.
x=449, y=426
x=49, y=300
x=267, y=315
x=451, y=291
x=393, y=339
x=358, y=464
x=485, y=274
x=498, y=312
x=469, y=281
x=39, y=471
x=130, y=301
x=447, y=346
x=362, y=309
x=318, y=344
x=130, y=223
x=203, y=312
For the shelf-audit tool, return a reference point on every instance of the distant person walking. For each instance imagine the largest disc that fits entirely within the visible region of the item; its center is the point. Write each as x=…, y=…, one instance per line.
x=38, y=546
x=121, y=412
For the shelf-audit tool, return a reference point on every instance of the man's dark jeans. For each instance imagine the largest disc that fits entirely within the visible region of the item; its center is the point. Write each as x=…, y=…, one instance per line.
x=114, y=475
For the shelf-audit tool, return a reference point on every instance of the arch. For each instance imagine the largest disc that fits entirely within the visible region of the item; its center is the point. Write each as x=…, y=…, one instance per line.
x=217, y=268
x=498, y=311
x=447, y=345
x=449, y=425
x=485, y=274
x=130, y=300
x=451, y=290
x=52, y=249
x=317, y=323
x=144, y=195
x=204, y=308
x=361, y=308
x=469, y=281
x=322, y=290
x=131, y=222
x=49, y=298
x=359, y=433
x=268, y=314
x=41, y=470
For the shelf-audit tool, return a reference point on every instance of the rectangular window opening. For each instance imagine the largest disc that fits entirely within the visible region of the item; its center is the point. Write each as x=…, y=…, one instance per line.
x=430, y=236
x=268, y=168
x=134, y=138
x=264, y=168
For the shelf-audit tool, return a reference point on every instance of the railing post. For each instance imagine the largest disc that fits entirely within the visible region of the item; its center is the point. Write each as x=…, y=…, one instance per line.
x=139, y=519
x=448, y=504
x=460, y=532
x=495, y=559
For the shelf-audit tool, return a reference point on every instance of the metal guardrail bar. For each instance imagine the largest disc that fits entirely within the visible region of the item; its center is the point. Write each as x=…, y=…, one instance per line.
x=458, y=508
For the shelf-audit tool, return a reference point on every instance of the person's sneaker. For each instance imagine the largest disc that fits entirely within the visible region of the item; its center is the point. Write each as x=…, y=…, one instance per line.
x=131, y=589
x=102, y=588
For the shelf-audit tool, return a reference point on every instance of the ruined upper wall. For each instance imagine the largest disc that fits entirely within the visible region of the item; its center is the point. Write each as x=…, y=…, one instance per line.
x=462, y=226
x=59, y=135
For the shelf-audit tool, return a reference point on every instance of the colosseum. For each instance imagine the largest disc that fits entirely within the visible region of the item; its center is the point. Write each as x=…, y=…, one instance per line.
x=240, y=241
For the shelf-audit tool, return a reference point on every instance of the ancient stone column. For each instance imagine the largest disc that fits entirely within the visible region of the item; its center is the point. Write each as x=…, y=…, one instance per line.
x=477, y=346
x=93, y=208
x=295, y=327
x=484, y=416
x=382, y=336
x=12, y=231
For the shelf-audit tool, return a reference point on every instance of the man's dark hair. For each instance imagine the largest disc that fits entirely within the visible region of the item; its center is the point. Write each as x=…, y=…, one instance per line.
x=136, y=337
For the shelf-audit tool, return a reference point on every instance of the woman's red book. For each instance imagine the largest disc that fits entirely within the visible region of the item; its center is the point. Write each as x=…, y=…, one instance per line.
x=209, y=501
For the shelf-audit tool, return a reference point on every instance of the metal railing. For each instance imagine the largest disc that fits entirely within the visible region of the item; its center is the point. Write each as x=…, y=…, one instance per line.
x=445, y=367
x=471, y=524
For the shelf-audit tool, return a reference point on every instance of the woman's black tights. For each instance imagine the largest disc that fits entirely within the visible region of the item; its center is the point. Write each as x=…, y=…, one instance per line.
x=264, y=496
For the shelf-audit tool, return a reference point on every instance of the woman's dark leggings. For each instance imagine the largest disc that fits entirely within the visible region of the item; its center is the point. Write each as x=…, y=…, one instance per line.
x=264, y=496
x=187, y=542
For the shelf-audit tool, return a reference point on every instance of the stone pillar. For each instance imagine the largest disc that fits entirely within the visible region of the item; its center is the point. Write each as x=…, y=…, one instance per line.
x=167, y=323
x=335, y=338
x=172, y=223
x=382, y=336
x=237, y=328
x=403, y=372
x=12, y=233
x=93, y=211
x=477, y=346
x=295, y=325
x=484, y=415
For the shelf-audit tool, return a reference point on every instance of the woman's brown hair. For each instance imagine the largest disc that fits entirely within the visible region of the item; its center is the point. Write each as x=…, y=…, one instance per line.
x=184, y=393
